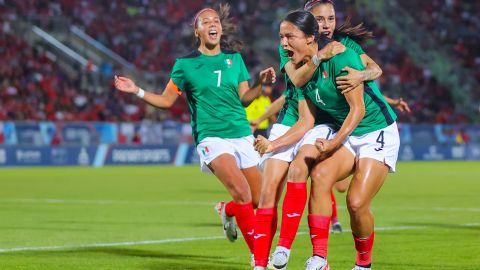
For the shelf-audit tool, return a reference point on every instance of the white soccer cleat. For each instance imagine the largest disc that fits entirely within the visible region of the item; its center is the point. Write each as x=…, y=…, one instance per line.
x=316, y=263
x=336, y=228
x=361, y=268
x=229, y=225
x=279, y=259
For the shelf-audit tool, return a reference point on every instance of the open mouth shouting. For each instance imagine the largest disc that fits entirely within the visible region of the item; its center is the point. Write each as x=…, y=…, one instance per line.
x=213, y=34
x=290, y=54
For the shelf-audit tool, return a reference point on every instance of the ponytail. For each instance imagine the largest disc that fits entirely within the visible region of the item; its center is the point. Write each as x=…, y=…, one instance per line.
x=356, y=32
x=228, y=41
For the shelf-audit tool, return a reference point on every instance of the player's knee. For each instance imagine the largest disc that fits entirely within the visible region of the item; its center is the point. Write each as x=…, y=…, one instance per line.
x=297, y=173
x=322, y=181
x=356, y=204
x=320, y=175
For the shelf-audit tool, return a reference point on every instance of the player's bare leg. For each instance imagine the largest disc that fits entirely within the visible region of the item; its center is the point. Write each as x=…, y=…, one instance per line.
x=227, y=171
x=367, y=180
x=324, y=175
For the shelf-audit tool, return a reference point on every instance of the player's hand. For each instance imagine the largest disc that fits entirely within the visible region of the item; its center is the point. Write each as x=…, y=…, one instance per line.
x=325, y=146
x=402, y=105
x=263, y=145
x=267, y=76
x=124, y=84
x=333, y=48
x=254, y=125
x=350, y=81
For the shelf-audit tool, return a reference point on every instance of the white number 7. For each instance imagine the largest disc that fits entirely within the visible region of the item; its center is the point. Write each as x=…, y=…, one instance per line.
x=219, y=72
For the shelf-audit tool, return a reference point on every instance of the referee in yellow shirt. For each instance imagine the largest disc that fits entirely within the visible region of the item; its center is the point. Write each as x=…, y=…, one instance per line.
x=257, y=108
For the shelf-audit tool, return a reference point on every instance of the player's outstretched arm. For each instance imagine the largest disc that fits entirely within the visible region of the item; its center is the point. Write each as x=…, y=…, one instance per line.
x=398, y=103
x=163, y=101
x=247, y=94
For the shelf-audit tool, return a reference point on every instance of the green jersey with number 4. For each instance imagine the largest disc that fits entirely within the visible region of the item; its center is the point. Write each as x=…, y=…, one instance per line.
x=211, y=86
x=288, y=115
x=322, y=91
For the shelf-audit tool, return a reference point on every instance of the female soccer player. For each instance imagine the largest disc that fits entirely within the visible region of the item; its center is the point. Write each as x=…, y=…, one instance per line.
x=273, y=183
x=215, y=81
x=275, y=164
x=367, y=125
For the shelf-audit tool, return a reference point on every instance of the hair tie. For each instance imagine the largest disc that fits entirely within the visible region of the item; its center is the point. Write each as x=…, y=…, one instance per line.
x=194, y=23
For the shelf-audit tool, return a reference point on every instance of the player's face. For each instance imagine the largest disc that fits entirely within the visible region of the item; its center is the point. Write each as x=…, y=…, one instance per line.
x=209, y=28
x=325, y=16
x=294, y=42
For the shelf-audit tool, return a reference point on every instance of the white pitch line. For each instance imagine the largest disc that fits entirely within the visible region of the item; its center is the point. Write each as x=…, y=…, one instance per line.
x=165, y=241
x=96, y=245
x=101, y=202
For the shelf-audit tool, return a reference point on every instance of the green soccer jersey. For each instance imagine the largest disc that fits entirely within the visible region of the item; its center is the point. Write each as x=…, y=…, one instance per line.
x=288, y=115
x=211, y=86
x=322, y=91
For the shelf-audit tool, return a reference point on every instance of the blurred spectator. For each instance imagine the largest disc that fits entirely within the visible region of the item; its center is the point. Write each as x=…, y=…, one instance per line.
x=151, y=34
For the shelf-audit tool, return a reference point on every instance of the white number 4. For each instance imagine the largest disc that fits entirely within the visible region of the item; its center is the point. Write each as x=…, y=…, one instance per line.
x=219, y=72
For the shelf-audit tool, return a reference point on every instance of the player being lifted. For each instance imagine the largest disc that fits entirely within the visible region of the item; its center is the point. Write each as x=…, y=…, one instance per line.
x=366, y=143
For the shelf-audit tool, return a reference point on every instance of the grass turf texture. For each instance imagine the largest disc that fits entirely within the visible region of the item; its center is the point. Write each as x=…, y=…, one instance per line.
x=427, y=215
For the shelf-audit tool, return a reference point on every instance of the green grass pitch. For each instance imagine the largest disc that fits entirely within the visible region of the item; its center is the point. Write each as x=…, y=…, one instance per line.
x=161, y=217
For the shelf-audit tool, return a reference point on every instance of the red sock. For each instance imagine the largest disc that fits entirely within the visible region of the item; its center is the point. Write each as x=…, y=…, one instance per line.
x=263, y=227
x=245, y=218
x=319, y=229
x=230, y=208
x=292, y=210
x=364, y=248
x=274, y=222
x=334, y=208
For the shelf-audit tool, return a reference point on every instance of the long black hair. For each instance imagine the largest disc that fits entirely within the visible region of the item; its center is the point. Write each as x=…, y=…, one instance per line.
x=228, y=41
x=356, y=32
x=306, y=22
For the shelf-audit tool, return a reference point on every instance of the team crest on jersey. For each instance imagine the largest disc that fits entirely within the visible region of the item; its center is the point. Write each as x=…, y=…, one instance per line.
x=229, y=62
x=325, y=74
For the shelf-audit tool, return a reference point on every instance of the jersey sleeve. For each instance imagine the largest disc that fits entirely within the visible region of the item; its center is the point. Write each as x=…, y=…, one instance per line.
x=349, y=58
x=243, y=74
x=177, y=75
x=173, y=87
x=350, y=43
x=283, y=58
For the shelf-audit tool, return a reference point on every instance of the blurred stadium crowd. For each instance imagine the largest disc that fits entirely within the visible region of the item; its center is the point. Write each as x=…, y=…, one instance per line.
x=151, y=34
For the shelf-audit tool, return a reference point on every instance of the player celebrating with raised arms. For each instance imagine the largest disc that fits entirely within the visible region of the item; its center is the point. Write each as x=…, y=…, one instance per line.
x=215, y=80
